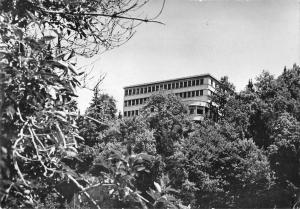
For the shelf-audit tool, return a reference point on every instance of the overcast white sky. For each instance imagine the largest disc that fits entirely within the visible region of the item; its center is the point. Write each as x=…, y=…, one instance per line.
x=237, y=38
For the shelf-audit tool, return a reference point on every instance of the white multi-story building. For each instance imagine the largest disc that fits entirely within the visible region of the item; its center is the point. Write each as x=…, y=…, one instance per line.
x=194, y=91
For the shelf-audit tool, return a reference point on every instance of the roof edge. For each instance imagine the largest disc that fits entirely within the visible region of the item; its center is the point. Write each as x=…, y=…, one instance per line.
x=168, y=80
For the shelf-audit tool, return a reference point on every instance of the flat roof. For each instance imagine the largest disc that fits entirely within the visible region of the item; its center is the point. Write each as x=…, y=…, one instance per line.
x=174, y=79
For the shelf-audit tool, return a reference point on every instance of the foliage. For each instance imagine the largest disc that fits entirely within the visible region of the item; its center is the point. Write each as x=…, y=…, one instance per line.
x=167, y=117
x=39, y=136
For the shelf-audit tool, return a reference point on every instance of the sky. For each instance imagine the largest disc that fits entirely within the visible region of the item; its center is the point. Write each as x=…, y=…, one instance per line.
x=237, y=38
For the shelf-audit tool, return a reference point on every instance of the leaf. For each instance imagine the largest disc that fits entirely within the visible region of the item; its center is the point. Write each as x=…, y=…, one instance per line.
x=71, y=153
x=48, y=38
x=70, y=55
x=10, y=111
x=157, y=186
x=140, y=168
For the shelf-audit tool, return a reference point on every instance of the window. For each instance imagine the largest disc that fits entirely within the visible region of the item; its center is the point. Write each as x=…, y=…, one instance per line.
x=185, y=84
x=199, y=111
x=169, y=86
x=201, y=92
x=173, y=85
x=145, y=100
x=125, y=103
x=126, y=92
x=177, y=85
x=181, y=84
x=141, y=101
x=136, y=112
x=153, y=88
x=189, y=83
x=180, y=94
x=129, y=92
x=201, y=81
x=145, y=90
x=193, y=83
x=125, y=114
x=133, y=91
x=137, y=91
x=212, y=82
x=137, y=101
x=197, y=82
x=149, y=89
x=165, y=86
x=197, y=93
x=132, y=112
x=142, y=89
x=161, y=87
x=193, y=93
x=133, y=102
x=184, y=94
x=189, y=94
x=157, y=87
x=128, y=113
x=129, y=102
x=192, y=110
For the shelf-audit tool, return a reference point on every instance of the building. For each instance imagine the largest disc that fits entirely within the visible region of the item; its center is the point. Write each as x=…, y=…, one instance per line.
x=194, y=91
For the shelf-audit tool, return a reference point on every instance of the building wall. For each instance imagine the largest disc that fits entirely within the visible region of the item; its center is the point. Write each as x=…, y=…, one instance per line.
x=200, y=87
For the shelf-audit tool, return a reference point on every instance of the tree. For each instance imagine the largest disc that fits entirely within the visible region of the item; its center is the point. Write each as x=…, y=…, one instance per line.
x=225, y=173
x=167, y=117
x=38, y=131
x=99, y=116
x=224, y=91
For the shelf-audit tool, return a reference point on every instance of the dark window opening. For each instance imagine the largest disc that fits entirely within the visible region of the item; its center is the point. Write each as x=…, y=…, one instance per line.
x=199, y=111
x=192, y=110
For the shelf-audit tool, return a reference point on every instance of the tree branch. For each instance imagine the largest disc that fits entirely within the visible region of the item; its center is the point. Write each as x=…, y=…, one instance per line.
x=115, y=15
x=84, y=191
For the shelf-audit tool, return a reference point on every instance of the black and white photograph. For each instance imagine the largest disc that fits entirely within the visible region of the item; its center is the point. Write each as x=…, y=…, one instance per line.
x=149, y=104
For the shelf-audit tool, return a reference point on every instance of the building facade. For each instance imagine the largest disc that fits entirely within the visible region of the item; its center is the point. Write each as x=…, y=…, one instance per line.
x=194, y=91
